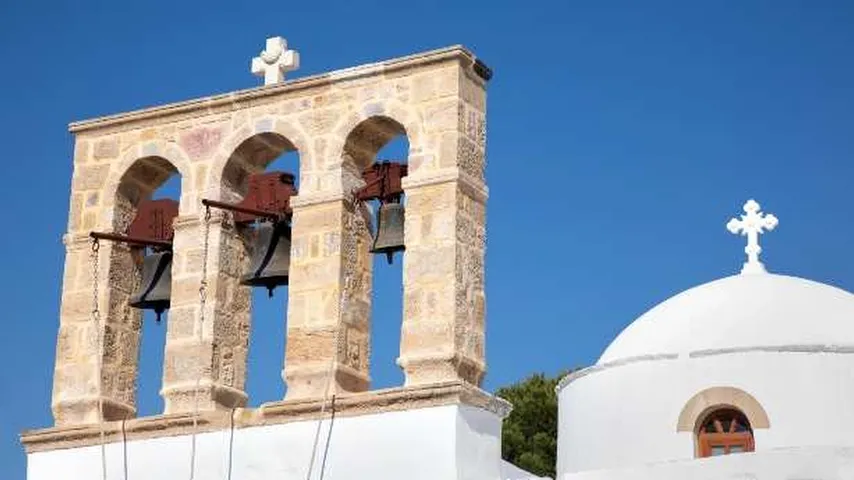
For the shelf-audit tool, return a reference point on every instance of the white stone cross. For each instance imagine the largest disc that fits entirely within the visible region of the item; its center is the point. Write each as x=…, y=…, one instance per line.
x=274, y=61
x=752, y=225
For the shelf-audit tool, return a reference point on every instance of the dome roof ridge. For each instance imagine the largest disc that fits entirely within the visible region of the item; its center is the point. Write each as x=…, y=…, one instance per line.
x=737, y=311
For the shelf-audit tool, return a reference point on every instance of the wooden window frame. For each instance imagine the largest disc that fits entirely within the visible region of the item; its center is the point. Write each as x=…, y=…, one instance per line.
x=729, y=439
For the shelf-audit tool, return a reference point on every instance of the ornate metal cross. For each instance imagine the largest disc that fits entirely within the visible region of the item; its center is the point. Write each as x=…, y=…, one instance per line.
x=274, y=61
x=751, y=225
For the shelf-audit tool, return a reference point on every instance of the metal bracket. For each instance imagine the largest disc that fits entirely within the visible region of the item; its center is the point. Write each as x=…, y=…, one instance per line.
x=383, y=182
x=151, y=227
x=268, y=197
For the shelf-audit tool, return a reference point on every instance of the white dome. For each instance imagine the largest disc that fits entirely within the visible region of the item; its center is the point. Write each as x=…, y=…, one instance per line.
x=741, y=311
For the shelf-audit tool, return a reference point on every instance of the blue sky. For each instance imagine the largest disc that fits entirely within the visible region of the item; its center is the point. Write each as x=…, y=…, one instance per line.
x=622, y=137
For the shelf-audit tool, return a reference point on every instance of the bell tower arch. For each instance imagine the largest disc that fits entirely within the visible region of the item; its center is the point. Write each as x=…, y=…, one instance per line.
x=98, y=343
x=336, y=122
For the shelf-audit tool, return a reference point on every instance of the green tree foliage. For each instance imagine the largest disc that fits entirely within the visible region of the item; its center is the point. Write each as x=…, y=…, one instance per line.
x=529, y=434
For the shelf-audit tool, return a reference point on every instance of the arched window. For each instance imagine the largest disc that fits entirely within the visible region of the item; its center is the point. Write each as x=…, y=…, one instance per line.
x=381, y=139
x=724, y=431
x=261, y=153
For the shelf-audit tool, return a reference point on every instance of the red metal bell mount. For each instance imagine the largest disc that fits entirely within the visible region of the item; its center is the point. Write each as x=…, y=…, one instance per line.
x=268, y=197
x=151, y=227
x=384, y=182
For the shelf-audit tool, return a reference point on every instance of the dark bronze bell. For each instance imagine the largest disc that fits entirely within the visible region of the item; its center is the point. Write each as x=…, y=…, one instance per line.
x=271, y=256
x=156, y=286
x=389, y=236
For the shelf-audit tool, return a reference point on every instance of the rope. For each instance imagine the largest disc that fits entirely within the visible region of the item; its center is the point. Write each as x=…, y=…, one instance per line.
x=124, y=449
x=328, y=440
x=203, y=295
x=230, y=444
x=317, y=433
x=348, y=280
x=329, y=376
x=96, y=319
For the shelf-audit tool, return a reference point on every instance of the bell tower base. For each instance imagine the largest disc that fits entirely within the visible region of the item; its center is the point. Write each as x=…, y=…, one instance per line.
x=448, y=430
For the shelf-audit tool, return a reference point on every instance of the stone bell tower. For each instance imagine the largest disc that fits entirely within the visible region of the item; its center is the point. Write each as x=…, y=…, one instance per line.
x=337, y=122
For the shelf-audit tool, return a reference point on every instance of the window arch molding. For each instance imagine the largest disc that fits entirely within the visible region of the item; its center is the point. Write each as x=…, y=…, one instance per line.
x=699, y=406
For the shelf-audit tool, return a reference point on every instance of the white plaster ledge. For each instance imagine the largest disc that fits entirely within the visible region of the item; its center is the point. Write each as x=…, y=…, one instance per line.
x=345, y=405
x=794, y=349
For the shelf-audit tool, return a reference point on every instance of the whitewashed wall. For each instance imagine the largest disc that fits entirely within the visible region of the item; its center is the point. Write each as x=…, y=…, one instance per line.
x=806, y=463
x=626, y=416
x=450, y=442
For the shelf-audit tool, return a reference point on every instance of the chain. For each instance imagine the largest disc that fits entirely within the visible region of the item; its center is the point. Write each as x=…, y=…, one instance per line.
x=203, y=288
x=96, y=320
x=203, y=296
x=96, y=257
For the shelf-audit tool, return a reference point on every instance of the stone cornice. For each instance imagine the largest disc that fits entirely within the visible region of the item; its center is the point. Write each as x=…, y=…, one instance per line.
x=456, y=52
x=348, y=404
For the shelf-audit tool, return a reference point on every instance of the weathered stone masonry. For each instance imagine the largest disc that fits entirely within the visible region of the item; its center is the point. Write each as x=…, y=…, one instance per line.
x=336, y=122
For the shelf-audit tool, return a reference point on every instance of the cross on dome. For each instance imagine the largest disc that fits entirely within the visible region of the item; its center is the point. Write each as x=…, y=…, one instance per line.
x=753, y=223
x=274, y=61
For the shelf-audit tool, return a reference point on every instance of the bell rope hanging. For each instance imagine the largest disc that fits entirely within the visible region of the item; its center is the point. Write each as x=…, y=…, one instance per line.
x=151, y=228
x=267, y=204
x=383, y=183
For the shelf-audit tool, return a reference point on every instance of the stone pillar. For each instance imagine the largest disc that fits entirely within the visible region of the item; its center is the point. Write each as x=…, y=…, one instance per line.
x=329, y=253
x=443, y=322
x=443, y=269
x=78, y=385
x=209, y=356
x=105, y=190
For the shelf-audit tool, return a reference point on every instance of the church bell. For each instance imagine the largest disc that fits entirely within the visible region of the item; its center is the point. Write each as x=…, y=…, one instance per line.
x=271, y=256
x=389, y=236
x=156, y=286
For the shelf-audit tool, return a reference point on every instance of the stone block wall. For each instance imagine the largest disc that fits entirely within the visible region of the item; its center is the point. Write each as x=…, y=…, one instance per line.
x=336, y=122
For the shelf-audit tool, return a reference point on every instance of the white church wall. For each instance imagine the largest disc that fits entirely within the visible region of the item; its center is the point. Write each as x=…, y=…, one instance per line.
x=479, y=444
x=627, y=415
x=448, y=442
x=813, y=463
x=512, y=472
